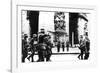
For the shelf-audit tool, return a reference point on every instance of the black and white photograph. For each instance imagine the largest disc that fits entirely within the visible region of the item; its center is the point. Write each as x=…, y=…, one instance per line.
x=54, y=36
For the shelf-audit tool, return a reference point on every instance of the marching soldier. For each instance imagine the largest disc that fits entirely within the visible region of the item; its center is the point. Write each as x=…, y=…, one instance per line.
x=32, y=48
x=24, y=47
x=49, y=46
x=87, y=48
x=81, y=47
x=41, y=46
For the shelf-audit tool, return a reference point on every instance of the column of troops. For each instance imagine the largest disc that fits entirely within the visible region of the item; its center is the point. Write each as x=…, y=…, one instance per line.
x=42, y=48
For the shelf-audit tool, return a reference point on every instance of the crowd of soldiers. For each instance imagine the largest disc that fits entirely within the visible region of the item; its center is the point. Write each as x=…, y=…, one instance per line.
x=42, y=48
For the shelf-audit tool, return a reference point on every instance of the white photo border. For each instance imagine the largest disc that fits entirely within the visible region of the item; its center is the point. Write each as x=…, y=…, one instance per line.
x=17, y=66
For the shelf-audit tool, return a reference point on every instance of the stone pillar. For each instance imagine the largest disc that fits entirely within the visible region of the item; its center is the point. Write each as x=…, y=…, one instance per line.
x=25, y=24
x=82, y=25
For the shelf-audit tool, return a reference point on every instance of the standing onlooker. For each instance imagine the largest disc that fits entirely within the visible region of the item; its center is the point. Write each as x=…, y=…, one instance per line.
x=58, y=46
x=63, y=46
x=67, y=45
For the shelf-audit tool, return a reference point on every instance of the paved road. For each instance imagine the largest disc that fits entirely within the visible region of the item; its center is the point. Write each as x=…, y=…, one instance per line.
x=72, y=54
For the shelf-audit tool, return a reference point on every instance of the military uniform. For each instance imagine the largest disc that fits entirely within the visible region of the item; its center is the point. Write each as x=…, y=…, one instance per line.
x=24, y=49
x=82, y=49
x=87, y=49
x=58, y=46
x=63, y=46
